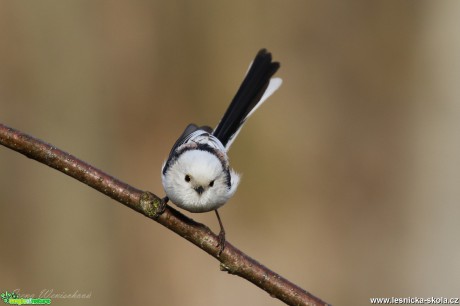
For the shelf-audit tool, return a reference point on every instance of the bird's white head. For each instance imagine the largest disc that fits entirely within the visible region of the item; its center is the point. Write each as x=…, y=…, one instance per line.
x=199, y=181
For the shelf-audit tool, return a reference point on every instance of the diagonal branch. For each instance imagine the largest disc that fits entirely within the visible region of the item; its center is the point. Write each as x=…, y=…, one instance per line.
x=231, y=260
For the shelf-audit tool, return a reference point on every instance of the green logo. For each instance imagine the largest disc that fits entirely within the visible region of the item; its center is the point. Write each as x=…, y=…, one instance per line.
x=13, y=298
x=8, y=295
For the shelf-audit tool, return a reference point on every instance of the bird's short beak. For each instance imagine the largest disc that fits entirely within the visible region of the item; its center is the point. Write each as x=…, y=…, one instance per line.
x=199, y=189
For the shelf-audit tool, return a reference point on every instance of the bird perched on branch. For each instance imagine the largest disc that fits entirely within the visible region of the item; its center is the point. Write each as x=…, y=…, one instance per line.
x=197, y=176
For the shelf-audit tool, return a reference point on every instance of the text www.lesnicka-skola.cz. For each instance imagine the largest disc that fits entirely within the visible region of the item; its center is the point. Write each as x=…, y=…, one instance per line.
x=416, y=300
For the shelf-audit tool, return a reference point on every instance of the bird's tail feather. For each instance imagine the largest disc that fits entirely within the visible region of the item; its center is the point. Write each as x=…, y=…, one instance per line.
x=257, y=86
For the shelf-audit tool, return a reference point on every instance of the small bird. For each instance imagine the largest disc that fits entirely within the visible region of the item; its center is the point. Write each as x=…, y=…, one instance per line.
x=197, y=176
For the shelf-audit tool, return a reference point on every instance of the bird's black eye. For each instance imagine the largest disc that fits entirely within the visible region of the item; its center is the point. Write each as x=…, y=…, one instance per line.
x=187, y=178
x=211, y=184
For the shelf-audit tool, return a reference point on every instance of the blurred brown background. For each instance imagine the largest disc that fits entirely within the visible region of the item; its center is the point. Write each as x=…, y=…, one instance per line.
x=350, y=171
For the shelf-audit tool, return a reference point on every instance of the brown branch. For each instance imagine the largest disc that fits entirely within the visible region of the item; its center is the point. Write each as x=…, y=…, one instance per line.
x=231, y=260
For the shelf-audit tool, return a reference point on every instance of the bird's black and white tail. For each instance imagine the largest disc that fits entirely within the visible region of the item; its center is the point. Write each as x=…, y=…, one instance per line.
x=257, y=86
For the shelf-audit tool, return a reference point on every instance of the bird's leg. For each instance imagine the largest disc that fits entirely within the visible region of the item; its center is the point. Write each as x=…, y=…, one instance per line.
x=221, y=236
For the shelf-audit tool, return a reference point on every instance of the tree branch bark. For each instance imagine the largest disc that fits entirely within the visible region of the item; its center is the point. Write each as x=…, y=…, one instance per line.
x=231, y=260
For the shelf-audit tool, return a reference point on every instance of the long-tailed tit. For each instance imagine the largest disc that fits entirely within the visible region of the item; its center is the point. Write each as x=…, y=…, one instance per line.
x=197, y=176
